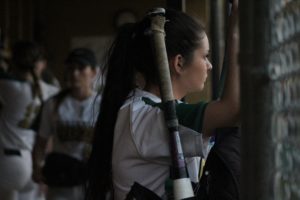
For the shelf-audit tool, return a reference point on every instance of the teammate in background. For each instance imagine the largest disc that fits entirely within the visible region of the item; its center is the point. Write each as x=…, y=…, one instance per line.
x=68, y=118
x=131, y=142
x=21, y=97
x=47, y=91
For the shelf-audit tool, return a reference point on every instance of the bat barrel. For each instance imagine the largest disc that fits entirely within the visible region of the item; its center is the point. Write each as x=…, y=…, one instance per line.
x=181, y=183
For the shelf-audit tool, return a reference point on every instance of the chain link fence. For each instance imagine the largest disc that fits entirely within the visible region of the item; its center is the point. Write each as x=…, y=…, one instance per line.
x=270, y=77
x=284, y=69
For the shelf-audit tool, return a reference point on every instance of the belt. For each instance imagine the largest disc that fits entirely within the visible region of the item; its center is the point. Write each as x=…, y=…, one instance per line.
x=12, y=152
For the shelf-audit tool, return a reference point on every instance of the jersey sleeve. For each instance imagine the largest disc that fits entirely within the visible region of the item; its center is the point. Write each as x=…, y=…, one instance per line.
x=151, y=136
x=192, y=142
x=191, y=115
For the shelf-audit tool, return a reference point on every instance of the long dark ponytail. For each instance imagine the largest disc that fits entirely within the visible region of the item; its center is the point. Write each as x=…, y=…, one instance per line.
x=119, y=82
x=130, y=53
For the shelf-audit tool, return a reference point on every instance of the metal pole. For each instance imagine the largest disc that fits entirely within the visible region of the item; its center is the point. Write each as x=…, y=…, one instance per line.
x=216, y=11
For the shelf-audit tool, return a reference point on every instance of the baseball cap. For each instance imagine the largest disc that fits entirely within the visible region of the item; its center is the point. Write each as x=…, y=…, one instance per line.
x=82, y=56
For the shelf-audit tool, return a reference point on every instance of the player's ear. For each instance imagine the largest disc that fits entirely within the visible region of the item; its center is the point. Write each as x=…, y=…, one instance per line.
x=176, y=64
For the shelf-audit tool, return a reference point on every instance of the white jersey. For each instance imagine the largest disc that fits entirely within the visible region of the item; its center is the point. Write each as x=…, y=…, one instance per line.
x=17, y=112
x=141, y=144
x=48, y=90
x=71, y=124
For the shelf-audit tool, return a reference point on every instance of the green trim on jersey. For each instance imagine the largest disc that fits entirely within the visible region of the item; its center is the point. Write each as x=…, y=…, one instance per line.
x=189, y=115
x=148, y=101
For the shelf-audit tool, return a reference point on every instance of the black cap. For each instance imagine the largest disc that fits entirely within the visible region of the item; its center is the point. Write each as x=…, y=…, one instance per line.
x=82, y=56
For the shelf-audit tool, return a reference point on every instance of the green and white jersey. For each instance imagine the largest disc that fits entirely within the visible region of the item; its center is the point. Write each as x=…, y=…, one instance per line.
x=18, y=109
x=141, y=143
x=71, y=124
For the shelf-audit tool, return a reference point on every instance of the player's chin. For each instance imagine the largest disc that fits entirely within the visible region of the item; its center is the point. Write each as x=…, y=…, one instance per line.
x=199, y=88
x=202, y=86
